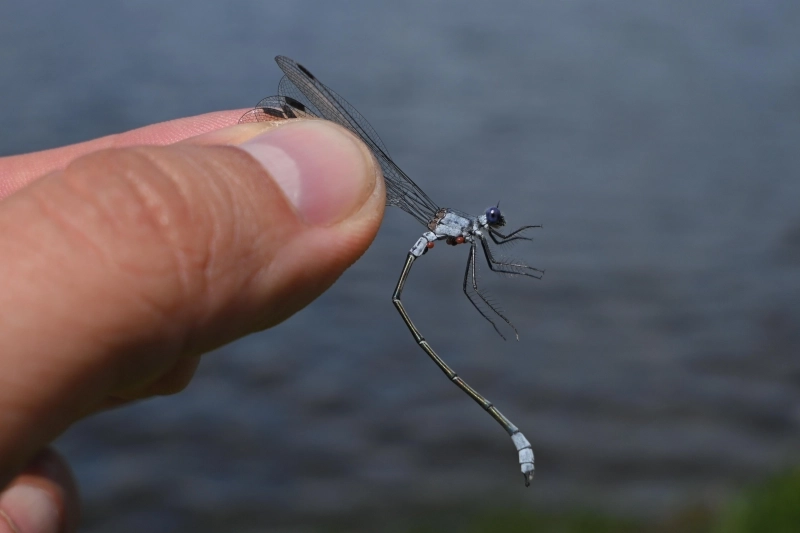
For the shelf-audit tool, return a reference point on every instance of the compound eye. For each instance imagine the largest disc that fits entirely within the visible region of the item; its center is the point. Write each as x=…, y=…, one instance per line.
x=493, y=216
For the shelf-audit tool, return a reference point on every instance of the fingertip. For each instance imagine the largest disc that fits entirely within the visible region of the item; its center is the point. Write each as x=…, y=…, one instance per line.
x=29, y=509
x=322, y=169
x=42, y=499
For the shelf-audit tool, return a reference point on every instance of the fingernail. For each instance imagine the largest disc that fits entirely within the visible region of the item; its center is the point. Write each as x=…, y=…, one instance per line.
x=29, y=509
x=323, y=171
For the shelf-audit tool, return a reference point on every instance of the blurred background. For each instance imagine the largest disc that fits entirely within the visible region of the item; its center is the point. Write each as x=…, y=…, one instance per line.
x=658, y=369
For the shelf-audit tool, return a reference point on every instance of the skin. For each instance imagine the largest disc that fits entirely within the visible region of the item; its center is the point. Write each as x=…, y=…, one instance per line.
x=127, y=257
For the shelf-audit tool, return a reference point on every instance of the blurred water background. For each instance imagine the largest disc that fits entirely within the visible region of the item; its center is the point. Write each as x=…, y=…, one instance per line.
x=658, y=366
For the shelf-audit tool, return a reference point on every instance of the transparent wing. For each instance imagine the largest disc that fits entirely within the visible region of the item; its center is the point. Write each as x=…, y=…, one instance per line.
x=336, y=109
x=300, y=87
x=276, y=108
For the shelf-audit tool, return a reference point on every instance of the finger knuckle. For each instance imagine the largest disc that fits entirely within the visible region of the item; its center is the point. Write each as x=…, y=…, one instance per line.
x=142, y=217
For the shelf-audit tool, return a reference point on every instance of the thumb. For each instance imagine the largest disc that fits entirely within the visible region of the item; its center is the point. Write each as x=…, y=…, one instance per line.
x=121, y=268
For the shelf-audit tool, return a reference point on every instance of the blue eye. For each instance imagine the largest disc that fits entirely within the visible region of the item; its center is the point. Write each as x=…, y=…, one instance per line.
x=493, y=217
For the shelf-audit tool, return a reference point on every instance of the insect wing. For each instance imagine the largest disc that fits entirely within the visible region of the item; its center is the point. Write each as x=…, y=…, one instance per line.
x=300, y=85
x=276, y=108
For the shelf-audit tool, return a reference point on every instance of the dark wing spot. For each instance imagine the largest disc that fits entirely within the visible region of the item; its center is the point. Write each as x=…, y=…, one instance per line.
x=277, y=113
x=305, y=71
x=294, y=103
x=288, y=111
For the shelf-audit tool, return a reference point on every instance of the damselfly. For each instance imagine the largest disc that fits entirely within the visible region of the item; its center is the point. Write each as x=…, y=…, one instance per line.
x=301, y=95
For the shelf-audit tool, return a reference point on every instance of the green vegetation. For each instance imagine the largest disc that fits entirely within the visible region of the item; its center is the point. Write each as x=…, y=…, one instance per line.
x=527, y=522
x=770, y=508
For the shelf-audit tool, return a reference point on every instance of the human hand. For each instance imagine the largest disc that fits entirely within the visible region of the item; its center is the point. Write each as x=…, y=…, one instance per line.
x=122, y=263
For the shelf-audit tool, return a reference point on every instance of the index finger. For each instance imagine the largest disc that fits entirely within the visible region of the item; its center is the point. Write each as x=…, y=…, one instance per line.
x=18, y=170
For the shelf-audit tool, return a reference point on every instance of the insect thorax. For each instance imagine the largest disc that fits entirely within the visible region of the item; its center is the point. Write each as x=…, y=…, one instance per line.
x=448, y=223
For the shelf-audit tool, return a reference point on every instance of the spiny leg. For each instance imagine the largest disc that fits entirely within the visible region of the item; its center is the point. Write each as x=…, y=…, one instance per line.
x=471, y=272
x=493, y=233
x=520, y=442
x=508, y=240
x=518, y=269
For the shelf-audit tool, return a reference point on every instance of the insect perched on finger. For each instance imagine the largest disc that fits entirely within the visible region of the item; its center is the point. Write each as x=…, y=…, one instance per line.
x=302, y=95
